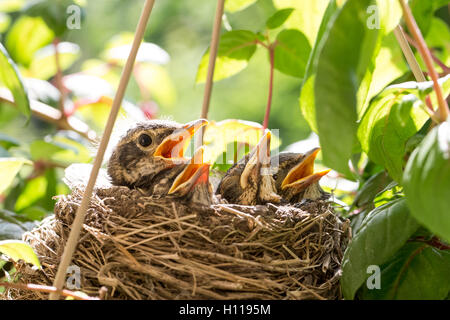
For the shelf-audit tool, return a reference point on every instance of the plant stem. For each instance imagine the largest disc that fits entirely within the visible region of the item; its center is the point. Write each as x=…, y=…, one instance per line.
x=425, y=53
x=80, y=214
x=58, y=78
x=269, y=99
x=46, y=289
x=445, y=69
x=212, y=57
x=52, y=115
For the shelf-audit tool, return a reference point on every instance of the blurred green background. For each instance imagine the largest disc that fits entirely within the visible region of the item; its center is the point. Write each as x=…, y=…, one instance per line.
x=183, y=29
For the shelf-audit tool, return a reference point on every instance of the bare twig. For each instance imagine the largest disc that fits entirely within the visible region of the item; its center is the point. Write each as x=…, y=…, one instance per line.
x=435, y=59
x=212, y=57
x=425, y=53
x=54, y=116
x=47, y=289
x=81, y=212
x=59, y=78
x=271, y=49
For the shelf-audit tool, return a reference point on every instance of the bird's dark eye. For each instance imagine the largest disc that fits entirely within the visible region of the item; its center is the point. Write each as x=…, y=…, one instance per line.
x=275, y=176
x=145, y=140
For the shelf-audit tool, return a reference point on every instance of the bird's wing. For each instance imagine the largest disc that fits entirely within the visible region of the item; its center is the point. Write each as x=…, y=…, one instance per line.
x=77, y=175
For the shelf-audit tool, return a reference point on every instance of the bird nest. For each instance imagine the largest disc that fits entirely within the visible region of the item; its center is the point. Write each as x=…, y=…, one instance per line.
x=139, y=247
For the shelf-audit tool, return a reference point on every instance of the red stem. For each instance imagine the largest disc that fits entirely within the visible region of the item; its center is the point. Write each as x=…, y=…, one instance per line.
x=435, y=59
x=425, y=53
x=269, y=99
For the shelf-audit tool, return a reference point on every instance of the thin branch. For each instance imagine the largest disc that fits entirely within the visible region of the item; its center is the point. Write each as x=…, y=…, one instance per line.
x=269, y=99
x=54, y=116
x=47, y=289
x=435, y=59
x=212, y=57
x=81, y=212
x=59, y=78
x=425, y=53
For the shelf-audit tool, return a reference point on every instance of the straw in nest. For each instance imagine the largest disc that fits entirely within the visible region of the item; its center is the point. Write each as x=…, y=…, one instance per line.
x=145, y=248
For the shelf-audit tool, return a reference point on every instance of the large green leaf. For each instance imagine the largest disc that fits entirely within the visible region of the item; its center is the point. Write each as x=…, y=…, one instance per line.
x=306, y=100
x=345, y=69
x=237, y=5
x=26, y=36
x=292, y=52
x=9, y=167
x=427, y=181
x=384, y=231
x=10, y=77
x=19, y=250
x=235, y=50
x=387, y=126
x=344, y=57
x=60, y=150
x=423, y=12
x=416, y=272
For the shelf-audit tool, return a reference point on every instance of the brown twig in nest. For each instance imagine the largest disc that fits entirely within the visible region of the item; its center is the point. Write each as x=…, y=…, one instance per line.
x=144, y=248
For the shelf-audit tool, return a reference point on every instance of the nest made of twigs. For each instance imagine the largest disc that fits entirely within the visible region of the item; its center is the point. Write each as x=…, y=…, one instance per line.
x=145, y=248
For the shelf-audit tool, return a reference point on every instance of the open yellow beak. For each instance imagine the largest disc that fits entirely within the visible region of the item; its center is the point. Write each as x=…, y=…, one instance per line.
x=195, y=172
x=259, y=156
x=302, y=175
x=174, y=146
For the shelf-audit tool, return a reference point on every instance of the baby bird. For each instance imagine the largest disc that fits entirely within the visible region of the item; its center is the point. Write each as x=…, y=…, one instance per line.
x=144, y=156
x=249, y=181
x=192, y=184
x=295, y=178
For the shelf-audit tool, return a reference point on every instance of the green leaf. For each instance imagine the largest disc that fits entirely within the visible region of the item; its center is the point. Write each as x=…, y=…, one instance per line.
x=279, y=18
x=416, y=272
x=340, y=73
x=386, y=128
x=60, y=150
x=427, y=181
x=370, y=189
x=54, y=13
x=10, y=77
x=307, y=17
x=384, y=231
x=219, y=135
x=33, y=191
x=306, y=100
x=237, y=5
x=26, y=36
x=235, y=50
x=19, y=250
x=43, y=65
x=5, y=20
x=9, y=167
x=291, y=53
x=11, y=5
x=7, y=141
x=423, y=12
x=345, y=69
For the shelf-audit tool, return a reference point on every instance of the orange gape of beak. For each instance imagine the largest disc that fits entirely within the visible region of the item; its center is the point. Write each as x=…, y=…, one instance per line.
x=173, y=146
x=302, y=175
x=195, y=172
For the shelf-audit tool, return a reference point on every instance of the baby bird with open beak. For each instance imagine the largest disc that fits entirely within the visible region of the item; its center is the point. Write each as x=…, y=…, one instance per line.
x=295, y=178
x=249, y=181
x=150, y=155
x=192, y=184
